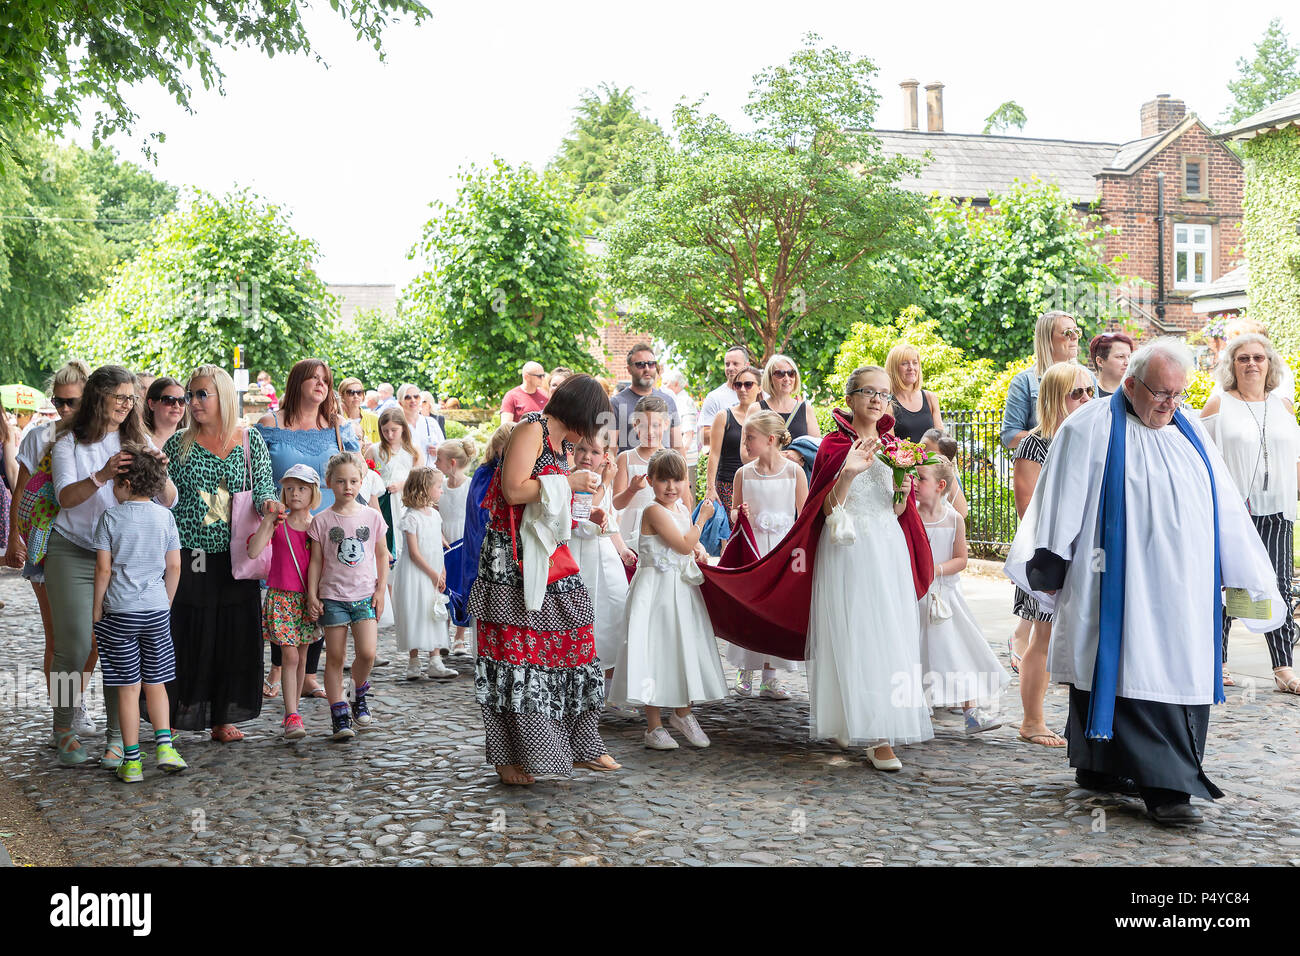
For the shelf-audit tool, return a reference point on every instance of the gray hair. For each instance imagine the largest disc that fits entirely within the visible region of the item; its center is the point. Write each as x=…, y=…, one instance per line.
x=674, y=377
x=1226, y=372
x=1171, y=348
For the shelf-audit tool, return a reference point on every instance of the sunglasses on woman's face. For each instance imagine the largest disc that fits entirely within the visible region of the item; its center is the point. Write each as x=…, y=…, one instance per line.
x=355, y=392
x=60, y=403
x=746, y=385
x=784, y=373
x=1076, y=394
x=171, y=401
x=202, y=395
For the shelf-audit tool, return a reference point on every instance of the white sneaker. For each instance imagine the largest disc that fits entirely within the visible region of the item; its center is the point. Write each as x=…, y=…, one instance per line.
x=773, y=690
x=413, y=669
x=659, y=739
x=81, y=721
x=440, y=671
x=689, y=728
x=977, y=721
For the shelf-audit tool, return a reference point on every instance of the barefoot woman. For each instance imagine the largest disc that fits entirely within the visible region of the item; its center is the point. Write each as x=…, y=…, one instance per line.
x=536, y=676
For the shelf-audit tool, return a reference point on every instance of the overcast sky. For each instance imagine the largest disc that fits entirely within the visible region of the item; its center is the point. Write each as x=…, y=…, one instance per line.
x=357, y=152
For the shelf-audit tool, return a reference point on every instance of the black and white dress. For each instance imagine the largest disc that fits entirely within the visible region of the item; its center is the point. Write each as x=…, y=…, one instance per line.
x=1033, y=447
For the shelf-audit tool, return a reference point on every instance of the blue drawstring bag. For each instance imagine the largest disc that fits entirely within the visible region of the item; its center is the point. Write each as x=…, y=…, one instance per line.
x=716, y=530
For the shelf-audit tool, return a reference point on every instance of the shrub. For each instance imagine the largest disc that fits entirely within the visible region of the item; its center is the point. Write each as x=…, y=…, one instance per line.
x=995, y=394
x=956, y=381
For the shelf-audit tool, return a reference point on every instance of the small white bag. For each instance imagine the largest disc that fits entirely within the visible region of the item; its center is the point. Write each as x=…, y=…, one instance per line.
x=840, y=524
x=940, y=610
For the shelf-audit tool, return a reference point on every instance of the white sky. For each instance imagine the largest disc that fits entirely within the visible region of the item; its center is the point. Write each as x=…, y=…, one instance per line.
x=356, y=152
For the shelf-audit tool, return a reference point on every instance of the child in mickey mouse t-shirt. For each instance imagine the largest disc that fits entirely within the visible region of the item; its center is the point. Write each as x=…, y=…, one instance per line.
x=346, y=584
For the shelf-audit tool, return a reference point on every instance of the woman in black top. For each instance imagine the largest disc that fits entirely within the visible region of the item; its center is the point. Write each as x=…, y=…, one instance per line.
x=725, y=436
x=783, y=387
x=915, y=411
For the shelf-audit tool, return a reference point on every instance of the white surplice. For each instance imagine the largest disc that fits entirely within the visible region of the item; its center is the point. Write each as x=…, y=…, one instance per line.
x=1168, y=636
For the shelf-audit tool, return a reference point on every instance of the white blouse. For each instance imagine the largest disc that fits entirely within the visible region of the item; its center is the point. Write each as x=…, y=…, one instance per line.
x=1239, y=429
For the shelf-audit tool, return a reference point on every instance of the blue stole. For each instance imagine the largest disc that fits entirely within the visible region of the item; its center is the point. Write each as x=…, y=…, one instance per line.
x=1114, y=515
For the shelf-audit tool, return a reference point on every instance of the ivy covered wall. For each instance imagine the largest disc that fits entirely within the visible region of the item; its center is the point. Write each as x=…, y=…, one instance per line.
x=1271, y=217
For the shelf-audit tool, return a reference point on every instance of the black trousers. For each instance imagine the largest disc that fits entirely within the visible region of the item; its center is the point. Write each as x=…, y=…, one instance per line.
x=1278, y=535
x=313, y=655
x=1158, y=745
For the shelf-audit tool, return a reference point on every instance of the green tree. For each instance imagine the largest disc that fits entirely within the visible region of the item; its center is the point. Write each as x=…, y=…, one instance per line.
x=56, y=54
x=988, y=274
x=379, y=347
x=1271, y=75
x=221, y=272
x=957, y=381
x=605, y=123
x=129, y=198
x=50, y=250
x=508, y=281
x=777, y=235
x=1007, y=116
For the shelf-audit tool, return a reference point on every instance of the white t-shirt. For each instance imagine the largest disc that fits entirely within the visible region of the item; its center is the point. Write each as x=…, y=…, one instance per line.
x=714, y=404
x=74, y=461
x=425, y=432
x=32, y=446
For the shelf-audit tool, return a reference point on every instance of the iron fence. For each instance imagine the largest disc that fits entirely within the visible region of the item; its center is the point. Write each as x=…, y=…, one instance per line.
x=984, y=468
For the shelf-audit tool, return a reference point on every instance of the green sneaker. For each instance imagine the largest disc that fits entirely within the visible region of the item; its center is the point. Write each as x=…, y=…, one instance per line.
x=130, y=771
x=168, y=759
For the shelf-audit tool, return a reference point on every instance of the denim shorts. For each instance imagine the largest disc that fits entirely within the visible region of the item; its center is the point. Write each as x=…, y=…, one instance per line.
x=33, y=572
x=342, y=613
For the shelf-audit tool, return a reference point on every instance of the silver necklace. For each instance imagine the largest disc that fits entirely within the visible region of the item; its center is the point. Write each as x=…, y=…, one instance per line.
x=1263, y=435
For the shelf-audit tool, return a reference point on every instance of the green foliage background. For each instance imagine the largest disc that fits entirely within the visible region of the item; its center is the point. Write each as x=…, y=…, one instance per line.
x=509, y=281
x=1270, y=211
x=224, y=271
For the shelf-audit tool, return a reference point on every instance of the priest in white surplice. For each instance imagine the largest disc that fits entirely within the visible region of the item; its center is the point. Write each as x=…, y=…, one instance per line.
x=1132, y=506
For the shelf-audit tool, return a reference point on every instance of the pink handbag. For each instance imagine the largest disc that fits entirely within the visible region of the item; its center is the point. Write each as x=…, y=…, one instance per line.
x=244, y=521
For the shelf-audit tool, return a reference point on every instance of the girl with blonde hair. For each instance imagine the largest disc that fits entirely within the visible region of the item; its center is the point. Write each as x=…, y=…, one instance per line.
x=1065, y=387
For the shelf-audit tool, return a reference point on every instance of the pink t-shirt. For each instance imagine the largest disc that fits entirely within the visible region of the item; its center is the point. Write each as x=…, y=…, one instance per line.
x=519, y=403
x=348, y=552
x=283, y=576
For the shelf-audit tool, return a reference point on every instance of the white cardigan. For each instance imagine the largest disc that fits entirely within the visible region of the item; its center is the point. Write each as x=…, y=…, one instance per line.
x=546, y=526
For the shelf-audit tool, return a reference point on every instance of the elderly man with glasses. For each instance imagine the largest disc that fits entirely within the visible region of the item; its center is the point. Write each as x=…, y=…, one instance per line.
x=528, y=396
x=643, y=369
x=1134, y=528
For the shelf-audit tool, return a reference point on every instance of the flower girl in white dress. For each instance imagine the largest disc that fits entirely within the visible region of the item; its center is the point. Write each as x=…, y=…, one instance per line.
x=864, y=658
x=671, y=655
x=601, y=554
x=958, y=664
x=420, y=577
x=770, y=490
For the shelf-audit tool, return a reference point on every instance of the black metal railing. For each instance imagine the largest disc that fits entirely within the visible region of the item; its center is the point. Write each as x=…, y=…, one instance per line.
x=984, y=467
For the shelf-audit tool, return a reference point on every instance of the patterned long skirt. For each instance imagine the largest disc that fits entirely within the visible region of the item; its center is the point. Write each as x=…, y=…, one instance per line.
x=537, y=677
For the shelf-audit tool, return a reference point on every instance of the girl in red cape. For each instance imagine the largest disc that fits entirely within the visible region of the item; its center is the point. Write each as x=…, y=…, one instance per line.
x=849, y=608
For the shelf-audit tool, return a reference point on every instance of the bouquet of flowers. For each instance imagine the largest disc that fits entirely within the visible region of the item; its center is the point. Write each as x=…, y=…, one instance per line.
x=903, y=457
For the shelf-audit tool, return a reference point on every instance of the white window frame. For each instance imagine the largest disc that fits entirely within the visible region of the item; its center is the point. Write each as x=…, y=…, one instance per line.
x=1196, y=238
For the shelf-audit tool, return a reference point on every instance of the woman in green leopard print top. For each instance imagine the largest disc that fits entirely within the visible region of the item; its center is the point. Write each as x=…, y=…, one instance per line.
x=216, y=619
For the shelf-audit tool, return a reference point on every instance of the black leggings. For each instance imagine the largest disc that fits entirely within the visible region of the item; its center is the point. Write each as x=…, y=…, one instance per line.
x=313, y=656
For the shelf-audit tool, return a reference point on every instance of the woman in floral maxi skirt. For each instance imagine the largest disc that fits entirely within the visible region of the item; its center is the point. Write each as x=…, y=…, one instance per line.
x=537, y=677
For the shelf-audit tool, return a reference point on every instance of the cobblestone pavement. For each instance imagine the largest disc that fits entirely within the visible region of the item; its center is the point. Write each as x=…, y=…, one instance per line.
x=413, y=788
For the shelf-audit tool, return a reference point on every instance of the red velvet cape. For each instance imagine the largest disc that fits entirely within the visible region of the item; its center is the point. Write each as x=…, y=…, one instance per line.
x=763, y=604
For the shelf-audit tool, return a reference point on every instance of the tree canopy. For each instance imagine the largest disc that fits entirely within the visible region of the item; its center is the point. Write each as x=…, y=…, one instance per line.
x=221, y=272
x=56, y=55
x=1271, y=75
x=605, y=123
x=1010, y=115
x=773, y=235
x=509, y=279
x=988, y=274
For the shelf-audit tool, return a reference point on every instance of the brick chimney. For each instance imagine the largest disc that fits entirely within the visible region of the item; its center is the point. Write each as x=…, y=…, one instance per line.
x=1162, y=114
x=934, y=107
x=909, y=105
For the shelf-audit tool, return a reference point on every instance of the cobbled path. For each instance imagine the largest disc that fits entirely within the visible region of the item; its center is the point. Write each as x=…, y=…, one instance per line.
x=413, y=789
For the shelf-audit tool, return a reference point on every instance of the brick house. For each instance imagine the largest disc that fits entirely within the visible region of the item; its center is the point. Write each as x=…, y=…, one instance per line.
x=1203, y=183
